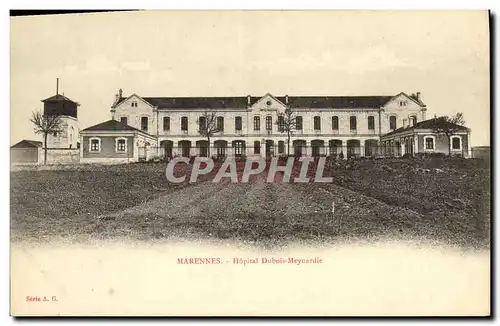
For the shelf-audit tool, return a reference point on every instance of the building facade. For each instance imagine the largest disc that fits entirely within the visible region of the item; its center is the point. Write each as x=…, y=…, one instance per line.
x=428, y=137
x=326, y=125
x=114, y=142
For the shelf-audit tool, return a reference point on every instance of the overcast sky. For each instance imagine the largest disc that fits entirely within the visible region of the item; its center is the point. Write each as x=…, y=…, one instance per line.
x=443, y=55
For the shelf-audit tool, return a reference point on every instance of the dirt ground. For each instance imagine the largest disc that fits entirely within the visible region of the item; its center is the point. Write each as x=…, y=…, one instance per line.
x=371, y=200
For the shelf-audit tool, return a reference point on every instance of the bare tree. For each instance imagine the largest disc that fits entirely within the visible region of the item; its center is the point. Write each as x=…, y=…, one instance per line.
x=287, y=123
x=208, y=125
x=449, y=125
x=45, y=125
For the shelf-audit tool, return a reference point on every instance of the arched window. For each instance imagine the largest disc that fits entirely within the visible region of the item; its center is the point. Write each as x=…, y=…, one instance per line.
x=166, y=124
x=184, y=123
x=413, y=120
x=202, y=122
x=353, y=124
x=256, y=123
x=220, y=123
x=239, y=147
x=392, y=122
x=269, y=123
x=281, y=146
x=237, y=123
x=256, y=147
x=298, y=123
x=144, y=124
x=317, y=123
x=281, y=123
x=335, y=123
x=371, y=123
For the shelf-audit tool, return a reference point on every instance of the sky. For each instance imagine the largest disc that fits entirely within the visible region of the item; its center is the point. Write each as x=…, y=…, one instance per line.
x=442, y=54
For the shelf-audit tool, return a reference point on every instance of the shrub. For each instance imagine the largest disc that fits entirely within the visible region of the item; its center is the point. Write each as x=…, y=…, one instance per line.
x=440, y=155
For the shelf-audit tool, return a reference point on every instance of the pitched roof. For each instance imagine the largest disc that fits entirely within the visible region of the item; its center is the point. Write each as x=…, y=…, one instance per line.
x=112, y=125
x=337, y=101
x=429, y=124
x=58, y=98
x=241, y=102
x=27, y=143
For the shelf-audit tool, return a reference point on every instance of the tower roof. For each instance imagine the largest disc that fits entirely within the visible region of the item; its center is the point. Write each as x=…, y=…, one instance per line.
x=59, y=98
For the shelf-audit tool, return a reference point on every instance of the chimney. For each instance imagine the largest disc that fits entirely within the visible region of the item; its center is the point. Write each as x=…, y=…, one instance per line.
x=418, y=96
x=404, y=123
x=286, y=99
x=57, y=86
x=248, y=99
x=120, y=93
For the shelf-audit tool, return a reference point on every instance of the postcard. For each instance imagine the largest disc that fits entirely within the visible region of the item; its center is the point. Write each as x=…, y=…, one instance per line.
x=250, y=163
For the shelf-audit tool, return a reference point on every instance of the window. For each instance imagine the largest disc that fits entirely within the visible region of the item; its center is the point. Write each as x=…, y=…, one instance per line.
x=371, y=123
x=298, y=123
x=239, y=147
x=166, y=124
x=256, y=123
x=281, y=146
x=317, y=123
x=392, y=122
x=123, y=120
x=184, y=123
x=402, y=103
x=413, y=120
x=220, y=123
x=269, y=123
x=144, y=123
x=237, y=123
x=121, y=145
x=95, y=144
x=456, y=142
x=335, y=123
x=133, y=104
x=256, y=147
x=353, y=123
x=281, y=123
x=429, y=142
x=202, y=122
x=220, y=147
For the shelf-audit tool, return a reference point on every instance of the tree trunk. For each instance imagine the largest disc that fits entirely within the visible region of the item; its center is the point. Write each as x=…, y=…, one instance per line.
x=288, y=145
x=45, y=149
x=208, y=148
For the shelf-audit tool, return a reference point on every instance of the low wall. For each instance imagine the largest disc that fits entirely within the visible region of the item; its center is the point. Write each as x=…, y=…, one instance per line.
x=59, y=156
